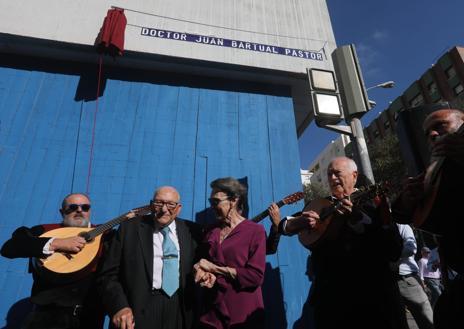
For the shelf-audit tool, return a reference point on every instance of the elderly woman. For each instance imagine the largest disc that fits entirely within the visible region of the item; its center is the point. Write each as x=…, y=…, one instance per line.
x=234, y=268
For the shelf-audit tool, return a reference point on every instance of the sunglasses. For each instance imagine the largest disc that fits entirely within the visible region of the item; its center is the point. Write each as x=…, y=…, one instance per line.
x=215, y=201
x=74, y=207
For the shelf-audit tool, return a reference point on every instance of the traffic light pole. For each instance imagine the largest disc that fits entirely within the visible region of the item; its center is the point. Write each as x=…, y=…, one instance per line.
x=361, y=149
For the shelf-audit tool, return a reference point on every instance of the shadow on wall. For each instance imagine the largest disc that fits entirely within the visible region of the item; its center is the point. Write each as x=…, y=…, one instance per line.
x=88, y=85
x=17, y=313
x=273, y=299
x=306, y=320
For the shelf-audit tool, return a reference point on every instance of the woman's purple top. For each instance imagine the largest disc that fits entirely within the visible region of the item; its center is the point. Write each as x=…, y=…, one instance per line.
x=238, y=301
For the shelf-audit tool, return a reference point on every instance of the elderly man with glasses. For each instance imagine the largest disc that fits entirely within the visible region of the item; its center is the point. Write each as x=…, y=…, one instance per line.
x=146, y=279
x=67, y=304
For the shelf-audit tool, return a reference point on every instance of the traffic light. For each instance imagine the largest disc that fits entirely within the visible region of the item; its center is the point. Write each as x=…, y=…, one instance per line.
x=324, y=92
x=351, y=83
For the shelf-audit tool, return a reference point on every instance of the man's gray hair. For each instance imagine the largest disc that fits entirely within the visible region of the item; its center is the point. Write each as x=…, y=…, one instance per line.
x=351, y=164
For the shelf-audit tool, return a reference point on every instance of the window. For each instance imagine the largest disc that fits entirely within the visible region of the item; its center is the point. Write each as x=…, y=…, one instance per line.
x=417, y=100
x=450, y=72
x=458, y=89
x=386, y=124
x=432, y=87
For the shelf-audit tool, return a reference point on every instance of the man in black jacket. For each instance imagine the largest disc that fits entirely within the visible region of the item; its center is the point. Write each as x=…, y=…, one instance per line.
x=353, y=285
x=136, y=288
x=442, y=197
x=58, y=304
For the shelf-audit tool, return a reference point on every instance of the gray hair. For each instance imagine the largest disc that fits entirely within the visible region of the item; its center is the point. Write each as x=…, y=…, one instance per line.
x=351, y=164
x=233, y=188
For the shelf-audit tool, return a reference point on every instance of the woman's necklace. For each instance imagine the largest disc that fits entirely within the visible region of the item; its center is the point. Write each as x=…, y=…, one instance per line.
x=224, y=233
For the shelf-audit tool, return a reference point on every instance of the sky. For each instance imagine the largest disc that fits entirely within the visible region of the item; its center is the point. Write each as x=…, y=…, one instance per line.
x=395, y=40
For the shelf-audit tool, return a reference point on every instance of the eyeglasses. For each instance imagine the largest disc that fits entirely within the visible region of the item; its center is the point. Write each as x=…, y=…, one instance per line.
x=75, y=206
x=171, y=205
x=215, y=201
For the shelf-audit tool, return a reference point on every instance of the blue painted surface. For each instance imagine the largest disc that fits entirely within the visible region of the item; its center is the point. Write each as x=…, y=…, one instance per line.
x=151, y=130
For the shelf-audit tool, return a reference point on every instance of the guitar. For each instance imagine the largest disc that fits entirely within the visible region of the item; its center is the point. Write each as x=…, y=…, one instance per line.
x=328, y=228
x=289, y=199
x=68, y=267
x=432, y=182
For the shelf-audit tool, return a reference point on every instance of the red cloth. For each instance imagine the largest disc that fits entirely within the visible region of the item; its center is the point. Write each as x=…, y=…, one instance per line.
x=110, y=40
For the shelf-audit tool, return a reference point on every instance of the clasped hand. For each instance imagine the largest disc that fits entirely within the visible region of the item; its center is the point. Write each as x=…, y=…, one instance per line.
x=204, y=273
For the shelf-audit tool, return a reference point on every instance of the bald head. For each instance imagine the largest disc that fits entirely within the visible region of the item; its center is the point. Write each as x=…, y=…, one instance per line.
x=167, y=190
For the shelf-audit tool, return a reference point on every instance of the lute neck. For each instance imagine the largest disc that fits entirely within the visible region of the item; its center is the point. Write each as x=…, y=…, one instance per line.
x=265, y=213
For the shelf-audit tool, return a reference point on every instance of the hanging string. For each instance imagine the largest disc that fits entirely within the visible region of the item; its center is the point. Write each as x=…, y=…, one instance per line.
x=216, y=26
x=100, y=60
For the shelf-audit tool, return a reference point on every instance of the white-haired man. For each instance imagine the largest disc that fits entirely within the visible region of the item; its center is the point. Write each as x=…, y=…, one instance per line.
x=353, y=285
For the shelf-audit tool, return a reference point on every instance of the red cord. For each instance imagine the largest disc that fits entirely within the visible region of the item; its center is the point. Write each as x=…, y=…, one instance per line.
x=94, y=123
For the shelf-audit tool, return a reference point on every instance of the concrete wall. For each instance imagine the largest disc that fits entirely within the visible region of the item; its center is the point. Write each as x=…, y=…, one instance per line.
x=296, y=24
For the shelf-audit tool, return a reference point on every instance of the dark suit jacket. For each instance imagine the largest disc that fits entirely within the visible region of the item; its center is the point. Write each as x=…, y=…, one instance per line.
x=127, y=271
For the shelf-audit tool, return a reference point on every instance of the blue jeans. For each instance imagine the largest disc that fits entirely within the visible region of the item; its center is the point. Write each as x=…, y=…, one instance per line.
x=435, y=288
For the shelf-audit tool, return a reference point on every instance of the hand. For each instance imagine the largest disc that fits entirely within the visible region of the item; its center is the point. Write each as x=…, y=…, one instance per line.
x=450, y=146
x=274, y=213
x=346, y=207
x=208, y=280
x=73, y=244
x=413, y=191
x=311, y=217
x=199, y=273
x=124, y=319
x=206, y=266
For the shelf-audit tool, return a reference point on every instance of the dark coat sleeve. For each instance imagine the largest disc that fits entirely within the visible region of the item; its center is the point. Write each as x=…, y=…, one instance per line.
x=108, y=283
x=272, y=241
x=24, y=243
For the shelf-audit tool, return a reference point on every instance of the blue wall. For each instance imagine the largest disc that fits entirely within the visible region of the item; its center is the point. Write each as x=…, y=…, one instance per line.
x=152, y=129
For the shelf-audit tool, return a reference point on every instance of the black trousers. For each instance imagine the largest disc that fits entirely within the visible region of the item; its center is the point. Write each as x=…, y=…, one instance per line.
x=165, y=311
x=56, y=317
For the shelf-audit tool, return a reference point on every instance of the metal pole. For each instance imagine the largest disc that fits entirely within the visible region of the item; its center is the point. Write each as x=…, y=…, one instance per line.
x=361, y=149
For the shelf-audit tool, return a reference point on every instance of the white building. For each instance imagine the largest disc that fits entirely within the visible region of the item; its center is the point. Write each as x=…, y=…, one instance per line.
x=305, y=176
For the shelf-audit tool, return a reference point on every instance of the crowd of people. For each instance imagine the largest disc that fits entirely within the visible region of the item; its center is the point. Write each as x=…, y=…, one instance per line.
x=160, y=271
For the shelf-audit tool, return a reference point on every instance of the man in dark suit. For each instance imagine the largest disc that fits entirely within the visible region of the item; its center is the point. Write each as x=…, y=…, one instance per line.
x=146, y=279
x=67, y=304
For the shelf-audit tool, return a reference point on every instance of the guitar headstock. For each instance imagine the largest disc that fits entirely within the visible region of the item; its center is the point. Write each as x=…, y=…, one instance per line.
x=370, y=192
x=292, y=198
x=139, y=211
